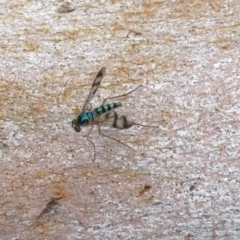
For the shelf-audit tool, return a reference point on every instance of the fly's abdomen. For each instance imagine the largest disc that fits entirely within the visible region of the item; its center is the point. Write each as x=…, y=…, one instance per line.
x=106, y=108
x=85, y=118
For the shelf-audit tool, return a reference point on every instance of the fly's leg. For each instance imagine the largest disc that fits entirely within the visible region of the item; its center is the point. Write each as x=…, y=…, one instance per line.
x=99, y=130
x=123, y=95
x=94, y=148
x=89, y=107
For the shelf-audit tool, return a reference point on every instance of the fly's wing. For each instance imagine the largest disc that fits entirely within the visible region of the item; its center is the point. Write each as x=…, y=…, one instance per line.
x=114, y=120
x=94, y=88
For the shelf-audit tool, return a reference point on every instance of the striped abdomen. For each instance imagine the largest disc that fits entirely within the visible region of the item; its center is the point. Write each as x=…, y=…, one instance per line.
x=87, y=117
x=106, y=108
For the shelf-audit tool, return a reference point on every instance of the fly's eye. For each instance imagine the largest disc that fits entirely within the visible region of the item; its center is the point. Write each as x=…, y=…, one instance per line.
x=75, y=125
x=77, y=128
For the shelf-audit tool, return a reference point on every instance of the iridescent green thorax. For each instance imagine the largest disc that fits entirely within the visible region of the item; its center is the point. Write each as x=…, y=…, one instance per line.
x=84, y=118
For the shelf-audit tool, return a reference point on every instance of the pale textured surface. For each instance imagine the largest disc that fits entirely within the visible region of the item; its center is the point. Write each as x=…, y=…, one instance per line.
x=186, y=56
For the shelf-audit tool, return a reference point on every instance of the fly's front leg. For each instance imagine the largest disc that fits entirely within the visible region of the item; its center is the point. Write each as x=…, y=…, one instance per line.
x=89, y=107
x=92, y=141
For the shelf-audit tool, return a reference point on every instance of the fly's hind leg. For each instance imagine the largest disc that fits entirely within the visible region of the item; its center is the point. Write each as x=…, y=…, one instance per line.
x=123, y=95
x=99, y=130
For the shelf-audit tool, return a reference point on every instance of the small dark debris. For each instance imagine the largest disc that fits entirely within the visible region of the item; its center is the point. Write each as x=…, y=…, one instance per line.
x=132, y=32
x=65, y=8
x=145, y=189
x=192, y=187
x=51, y=208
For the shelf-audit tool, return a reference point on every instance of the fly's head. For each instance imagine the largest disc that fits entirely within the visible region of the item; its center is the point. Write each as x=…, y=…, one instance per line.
x=75, y=126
